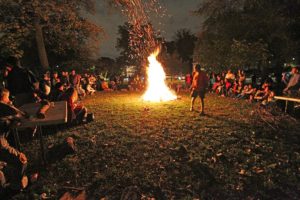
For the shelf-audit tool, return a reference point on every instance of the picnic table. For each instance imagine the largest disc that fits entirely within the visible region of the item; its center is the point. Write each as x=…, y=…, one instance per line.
x=287, y=99
x=56, y=114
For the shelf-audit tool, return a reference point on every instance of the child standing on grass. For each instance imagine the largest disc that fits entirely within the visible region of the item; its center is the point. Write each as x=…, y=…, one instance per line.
x=199, y=84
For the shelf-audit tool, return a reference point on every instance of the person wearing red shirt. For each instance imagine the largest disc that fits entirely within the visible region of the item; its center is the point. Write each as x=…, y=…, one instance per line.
x=77, y=112
x=199, y=85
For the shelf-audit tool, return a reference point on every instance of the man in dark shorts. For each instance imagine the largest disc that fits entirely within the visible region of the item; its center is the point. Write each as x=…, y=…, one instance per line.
x=199, y=85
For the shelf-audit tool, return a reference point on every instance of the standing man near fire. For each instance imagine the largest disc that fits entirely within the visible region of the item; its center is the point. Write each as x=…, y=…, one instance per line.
x=199, y=85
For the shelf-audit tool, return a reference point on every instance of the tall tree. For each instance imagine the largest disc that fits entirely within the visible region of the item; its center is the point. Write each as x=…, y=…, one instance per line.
x=185, y=44
x=123, y=45
x=56, y=27
x=109, y=66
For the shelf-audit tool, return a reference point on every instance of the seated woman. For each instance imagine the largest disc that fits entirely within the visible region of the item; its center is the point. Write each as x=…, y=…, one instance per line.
x=76, y=112
x=216, y=84
x=221, y=89
x=81, y=91
x=228, y=86
x=12, y=167
x=265, y=95
x=89, y=89
x=250, y=92
x=233, y=92
x=270, y=100
x=113, y=85
x=105, y=86
x=243, y=92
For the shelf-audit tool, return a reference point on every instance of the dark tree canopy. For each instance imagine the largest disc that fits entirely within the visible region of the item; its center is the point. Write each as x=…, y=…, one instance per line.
x=185, y=44
x=60, y=25
x=250, y=33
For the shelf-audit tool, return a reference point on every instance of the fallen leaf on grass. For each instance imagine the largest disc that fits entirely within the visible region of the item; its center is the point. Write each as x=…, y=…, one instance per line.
x=248, y=151
x=214, y=159
x=219, y=154
x=110, y=144
x=43, y=196
x=257, y=170
x=93, y=139
x=272, y=166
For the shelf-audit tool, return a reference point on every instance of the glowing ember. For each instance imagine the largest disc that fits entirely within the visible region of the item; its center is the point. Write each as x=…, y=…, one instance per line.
x=142, y=35
x=157, y=89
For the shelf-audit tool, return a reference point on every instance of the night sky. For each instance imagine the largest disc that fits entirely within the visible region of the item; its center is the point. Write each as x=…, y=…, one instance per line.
x=178, y=16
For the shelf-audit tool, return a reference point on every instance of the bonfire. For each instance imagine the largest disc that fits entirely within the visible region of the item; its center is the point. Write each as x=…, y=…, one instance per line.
x=157, y=90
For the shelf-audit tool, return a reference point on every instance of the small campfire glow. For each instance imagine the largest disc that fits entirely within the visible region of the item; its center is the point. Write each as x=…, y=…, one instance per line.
x=157, y=90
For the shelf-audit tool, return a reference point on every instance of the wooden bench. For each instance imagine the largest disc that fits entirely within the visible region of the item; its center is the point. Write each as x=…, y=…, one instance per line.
x=287, y=99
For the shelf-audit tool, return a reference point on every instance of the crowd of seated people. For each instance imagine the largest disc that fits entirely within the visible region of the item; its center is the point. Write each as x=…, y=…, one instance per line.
x=86, y=84
x=234, y=85
x=26, y=87
x=20, y=86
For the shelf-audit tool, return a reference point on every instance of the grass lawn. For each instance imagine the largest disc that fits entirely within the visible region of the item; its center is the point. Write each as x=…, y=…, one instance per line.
x=171, y=153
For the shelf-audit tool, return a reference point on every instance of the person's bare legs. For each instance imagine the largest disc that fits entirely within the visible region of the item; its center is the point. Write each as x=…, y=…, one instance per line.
x=192, y=103
x=202, y=106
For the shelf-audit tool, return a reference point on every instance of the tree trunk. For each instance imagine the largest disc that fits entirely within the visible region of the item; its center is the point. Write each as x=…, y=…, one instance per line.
x=41, y=45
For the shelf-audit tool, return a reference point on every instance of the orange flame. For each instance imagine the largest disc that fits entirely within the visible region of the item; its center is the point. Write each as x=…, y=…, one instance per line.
x=157, y=90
